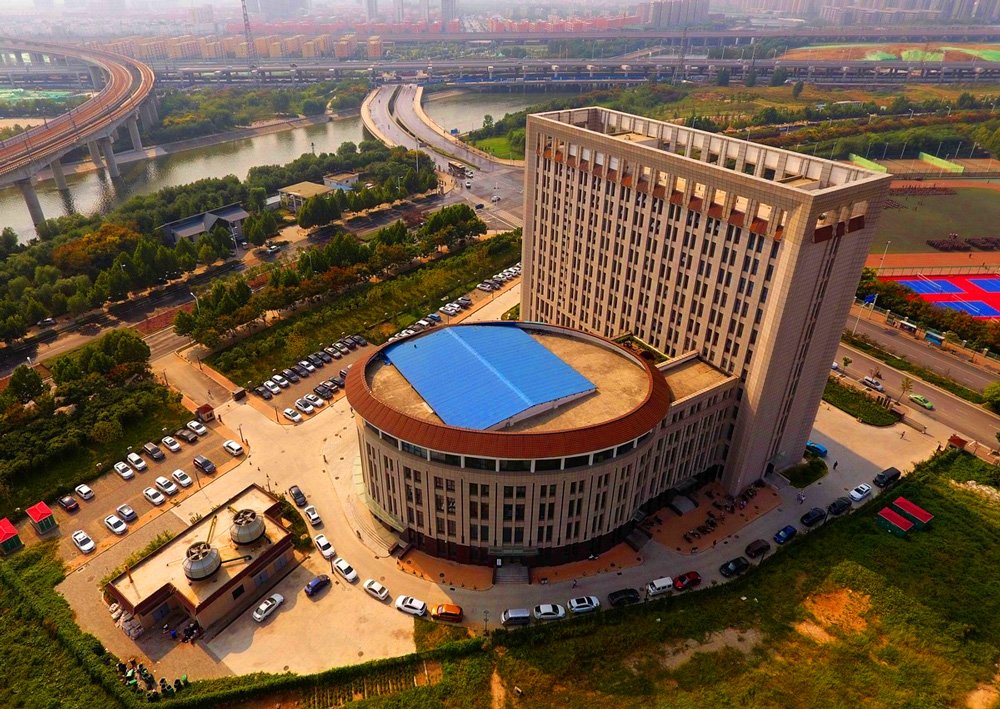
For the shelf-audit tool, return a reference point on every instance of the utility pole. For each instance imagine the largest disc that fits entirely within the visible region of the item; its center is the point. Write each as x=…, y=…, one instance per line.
x=252, y=59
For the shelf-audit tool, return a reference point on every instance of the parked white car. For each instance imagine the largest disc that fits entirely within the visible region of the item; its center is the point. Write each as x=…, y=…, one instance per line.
x=166, y=485
x=233, y=448
x=154, y=496
x=861, y=492
x=136, y=461
x=376, y=590
x=115, y=524
x=171, y=444
x=181, y=478
x=346, y=570
x=312, y=514
x=267, y=607
x=124, y=470
x=549, y=611
x=584, y=604
x=324, y=546
x=83, y=541
x=197, y=427
x=411, y=605
x=292, y=415
x=84, y=492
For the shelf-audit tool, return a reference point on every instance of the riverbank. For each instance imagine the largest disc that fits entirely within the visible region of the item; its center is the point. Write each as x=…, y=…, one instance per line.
x=180, y=146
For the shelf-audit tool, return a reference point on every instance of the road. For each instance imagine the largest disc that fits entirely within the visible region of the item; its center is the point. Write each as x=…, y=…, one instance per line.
x=129, y=83
x=964, y=417
x=922, y=353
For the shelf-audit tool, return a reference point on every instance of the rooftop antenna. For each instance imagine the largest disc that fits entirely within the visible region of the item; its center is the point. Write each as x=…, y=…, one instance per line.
x=252, y=59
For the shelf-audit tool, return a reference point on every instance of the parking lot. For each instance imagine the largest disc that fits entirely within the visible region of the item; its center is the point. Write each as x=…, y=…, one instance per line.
x=111, y=490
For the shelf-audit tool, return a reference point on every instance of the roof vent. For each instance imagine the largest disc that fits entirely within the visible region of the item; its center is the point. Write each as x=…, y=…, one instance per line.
x=201, y=561
x=247, y=527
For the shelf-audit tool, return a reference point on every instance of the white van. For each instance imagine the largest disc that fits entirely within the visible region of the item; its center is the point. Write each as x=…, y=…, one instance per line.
x=515, y=616
x=657, y=587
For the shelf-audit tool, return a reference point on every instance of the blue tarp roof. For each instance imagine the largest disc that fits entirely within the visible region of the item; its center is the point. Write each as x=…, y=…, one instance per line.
x=477, y=376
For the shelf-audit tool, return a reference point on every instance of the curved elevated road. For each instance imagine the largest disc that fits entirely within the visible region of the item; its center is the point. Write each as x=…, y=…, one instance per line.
x=128, y=83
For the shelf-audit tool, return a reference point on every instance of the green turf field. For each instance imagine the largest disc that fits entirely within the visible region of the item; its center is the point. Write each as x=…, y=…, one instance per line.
x=971, y=212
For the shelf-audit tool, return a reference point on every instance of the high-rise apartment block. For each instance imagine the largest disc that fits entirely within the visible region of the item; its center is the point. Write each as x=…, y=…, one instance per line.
x=694, y=242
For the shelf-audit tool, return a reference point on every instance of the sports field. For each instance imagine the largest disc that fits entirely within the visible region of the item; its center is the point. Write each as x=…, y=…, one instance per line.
x=976, y=294
x=971, y=212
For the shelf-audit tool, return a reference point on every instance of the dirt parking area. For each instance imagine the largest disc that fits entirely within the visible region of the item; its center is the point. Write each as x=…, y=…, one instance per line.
x=342, y=625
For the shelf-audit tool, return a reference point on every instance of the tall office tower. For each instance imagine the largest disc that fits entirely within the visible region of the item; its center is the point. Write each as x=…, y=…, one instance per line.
x=449, y=11
x=371, y=10
x=397, y=11
x=696, y=242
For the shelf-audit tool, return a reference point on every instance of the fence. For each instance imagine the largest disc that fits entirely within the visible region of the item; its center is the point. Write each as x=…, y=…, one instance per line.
x=867, y=310
x=984, y=268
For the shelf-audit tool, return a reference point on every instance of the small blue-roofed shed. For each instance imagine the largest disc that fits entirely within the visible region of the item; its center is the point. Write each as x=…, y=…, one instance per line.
x=486, y=377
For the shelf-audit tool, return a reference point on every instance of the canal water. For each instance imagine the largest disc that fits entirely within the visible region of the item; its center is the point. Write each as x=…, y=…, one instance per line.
x=94, y=191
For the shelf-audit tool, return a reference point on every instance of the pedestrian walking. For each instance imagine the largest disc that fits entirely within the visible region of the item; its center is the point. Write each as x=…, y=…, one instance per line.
x=835, y=464
x=902, y=434
x=574, y=583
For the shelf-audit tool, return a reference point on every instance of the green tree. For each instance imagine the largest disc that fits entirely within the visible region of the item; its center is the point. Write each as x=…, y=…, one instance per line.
x=256, y=199
x=184, y=323
x=847, y=362
x=25, y=383
x=751, y=79
x=992, y=395
x=488, y=122
x=313, y=107
x=722, y=77
x=797, y=89
x=905, y=387
x=106, y=431
x=206, y=254
x=779, y=76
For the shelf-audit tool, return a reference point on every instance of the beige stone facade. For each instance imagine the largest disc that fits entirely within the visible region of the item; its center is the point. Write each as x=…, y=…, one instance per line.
x=452, y=494
x=745, y=254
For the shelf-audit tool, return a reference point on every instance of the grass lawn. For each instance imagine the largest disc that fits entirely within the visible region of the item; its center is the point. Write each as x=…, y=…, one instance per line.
x=48, y=662
x=858, y=404
x=499, y=147
x=971, y=212
x=51, y=481
x=846, y=617
x=805, y=474
x=429, y=635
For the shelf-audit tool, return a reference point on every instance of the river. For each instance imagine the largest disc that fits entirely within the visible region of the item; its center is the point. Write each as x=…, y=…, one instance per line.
x=94, y=191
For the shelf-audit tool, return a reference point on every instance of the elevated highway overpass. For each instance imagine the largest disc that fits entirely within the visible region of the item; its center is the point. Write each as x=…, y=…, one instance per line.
x=587, y=70
x=123, y=95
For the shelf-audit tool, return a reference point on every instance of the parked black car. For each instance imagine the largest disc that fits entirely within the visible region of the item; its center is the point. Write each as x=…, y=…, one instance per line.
x=757, y=548
x=323, y=393
x=300, y=370
x=324, y=356
x=813, y=517
x=297, y=497
x=186, y=435
x=839, y=506
x=262, y=393
x=624, y=597
x=734, y=567
x=204, y=464
x=314, y=360
x=290, y=376
x=360, y=340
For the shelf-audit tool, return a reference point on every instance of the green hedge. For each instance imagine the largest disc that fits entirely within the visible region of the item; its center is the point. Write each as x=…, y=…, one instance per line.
x=857, y=404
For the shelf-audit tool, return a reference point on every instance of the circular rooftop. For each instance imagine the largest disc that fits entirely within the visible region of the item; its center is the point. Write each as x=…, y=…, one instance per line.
x=508, y=390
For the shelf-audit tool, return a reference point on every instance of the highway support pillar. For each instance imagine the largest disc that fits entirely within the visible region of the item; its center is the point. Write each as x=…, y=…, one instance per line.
x=109, y=157
x=95, y=154
x=58, y=175
x=96, y=77
x=133, y=132
x=31, y=199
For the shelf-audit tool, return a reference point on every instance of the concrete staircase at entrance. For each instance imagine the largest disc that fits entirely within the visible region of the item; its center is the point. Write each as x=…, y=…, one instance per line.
x=511, y=572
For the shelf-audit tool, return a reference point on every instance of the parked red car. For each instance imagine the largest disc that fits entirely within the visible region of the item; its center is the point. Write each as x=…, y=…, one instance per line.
x=686, y=581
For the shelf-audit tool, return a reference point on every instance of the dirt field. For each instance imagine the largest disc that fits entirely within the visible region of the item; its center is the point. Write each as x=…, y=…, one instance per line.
x=908, y=221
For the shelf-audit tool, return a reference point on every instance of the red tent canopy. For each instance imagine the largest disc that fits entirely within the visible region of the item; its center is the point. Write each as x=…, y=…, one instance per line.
x=39, y=512
x=915, y=511
x=896, y=519
x=7, y=530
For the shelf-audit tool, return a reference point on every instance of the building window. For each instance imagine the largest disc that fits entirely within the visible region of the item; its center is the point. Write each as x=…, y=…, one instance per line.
x=390, y=440
x=473, y=508
x=451, y=528
x=480, y=463
x=417, y=477
x=519, y=492
x=473, y=488
x=473, y=533
x=548, y=464
x=414, y=450
x=508, y=491
x=237, y=592
x=519, y=512
x=508, y=512
x=519, y=536
x=438, y=483
x=446, y=458
x=439, y=525
x=484, y=533
x=515, y=466
x=577, y=461
x=506, y=535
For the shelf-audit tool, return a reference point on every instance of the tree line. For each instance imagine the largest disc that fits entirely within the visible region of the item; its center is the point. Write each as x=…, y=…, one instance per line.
x=341, y=263
x=905, y=303
x=84, y=261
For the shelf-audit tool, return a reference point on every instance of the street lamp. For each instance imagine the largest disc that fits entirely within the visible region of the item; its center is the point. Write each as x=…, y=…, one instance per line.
x=196, y=301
